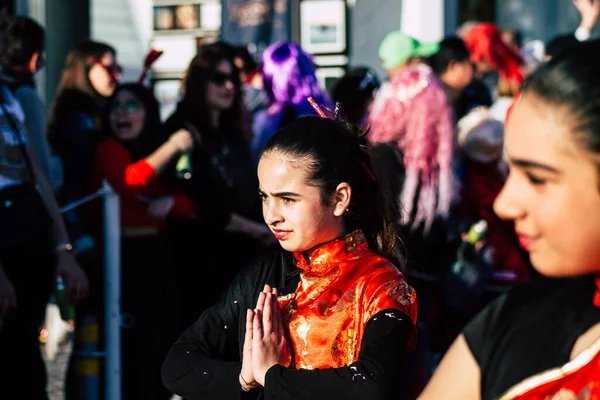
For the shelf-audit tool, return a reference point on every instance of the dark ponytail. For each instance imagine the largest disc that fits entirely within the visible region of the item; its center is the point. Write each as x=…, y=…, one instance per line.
x=337, y=152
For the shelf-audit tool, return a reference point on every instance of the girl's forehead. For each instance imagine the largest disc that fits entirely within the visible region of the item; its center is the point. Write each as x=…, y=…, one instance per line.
x=281, y=156
x=545, y=134
x=539, y=128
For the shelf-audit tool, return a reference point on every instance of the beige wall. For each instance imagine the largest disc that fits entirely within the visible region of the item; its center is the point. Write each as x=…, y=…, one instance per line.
x=125, y=25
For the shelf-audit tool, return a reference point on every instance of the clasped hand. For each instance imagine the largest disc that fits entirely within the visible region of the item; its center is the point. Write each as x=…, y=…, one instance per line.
x=265, y=343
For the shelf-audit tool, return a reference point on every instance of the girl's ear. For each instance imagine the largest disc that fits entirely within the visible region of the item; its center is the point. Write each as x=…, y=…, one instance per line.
x=341, y=199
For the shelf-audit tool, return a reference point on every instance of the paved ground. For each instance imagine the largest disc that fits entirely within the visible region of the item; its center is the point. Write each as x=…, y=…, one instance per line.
x=56, y=374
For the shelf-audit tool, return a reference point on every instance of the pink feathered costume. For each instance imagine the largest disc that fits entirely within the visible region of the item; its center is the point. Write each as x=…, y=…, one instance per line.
x=413, y=111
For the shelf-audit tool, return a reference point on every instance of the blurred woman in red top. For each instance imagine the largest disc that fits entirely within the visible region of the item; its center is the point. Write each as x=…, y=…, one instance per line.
x=131, y=159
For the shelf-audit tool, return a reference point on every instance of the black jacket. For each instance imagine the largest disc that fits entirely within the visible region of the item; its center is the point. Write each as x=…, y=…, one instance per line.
x=205, y=362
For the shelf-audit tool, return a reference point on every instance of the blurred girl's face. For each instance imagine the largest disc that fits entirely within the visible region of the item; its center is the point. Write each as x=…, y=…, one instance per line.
x=127, y=115
x=293, y=208
x=552, y=191
x=103, y=75
x=220, y=90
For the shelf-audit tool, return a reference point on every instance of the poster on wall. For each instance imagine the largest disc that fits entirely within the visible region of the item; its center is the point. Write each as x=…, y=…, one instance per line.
x=255, y=23
x=186, y=17
x=177, y=17
x=323, y=26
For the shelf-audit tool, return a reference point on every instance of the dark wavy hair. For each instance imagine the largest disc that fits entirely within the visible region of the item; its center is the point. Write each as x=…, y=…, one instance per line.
x=193, y=107
x=20, y=38
x=75, y=92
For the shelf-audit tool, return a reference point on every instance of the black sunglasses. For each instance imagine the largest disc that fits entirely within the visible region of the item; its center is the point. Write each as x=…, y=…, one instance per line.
x=219, y=78
x=113, y=70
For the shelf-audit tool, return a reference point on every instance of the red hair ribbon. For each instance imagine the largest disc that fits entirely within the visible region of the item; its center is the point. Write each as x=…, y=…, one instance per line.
x=314, y=104
x=151, y=57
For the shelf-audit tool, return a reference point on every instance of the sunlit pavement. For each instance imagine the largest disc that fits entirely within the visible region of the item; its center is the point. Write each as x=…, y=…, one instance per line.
x=56, y=373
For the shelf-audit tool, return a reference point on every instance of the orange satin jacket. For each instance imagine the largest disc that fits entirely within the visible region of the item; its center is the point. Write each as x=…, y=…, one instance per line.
x=340, y=289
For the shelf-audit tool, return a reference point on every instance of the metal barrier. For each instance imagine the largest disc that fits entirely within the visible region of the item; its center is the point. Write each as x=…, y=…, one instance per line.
x=112, y=289
x=112, y=293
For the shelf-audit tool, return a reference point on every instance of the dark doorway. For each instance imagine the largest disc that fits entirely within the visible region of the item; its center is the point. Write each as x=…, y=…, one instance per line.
x=477, y=10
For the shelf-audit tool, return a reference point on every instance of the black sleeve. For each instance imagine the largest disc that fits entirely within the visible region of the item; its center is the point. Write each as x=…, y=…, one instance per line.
x=481, y=331
x=79, y=140
x=205, y=359
x=384, y=349
x=79, y=144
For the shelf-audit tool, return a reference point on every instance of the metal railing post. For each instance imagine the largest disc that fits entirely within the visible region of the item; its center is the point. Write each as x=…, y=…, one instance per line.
x=112, y=294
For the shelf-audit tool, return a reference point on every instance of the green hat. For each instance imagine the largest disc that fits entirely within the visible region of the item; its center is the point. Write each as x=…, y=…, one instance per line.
x=397, y=48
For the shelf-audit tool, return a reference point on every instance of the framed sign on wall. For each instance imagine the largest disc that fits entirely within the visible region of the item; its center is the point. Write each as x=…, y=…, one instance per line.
x=323, y=26
x=186, y=16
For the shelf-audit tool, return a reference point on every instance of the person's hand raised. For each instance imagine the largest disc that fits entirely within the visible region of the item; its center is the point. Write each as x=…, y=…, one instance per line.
x=247, y=380
x=182, y=140
x=589, y=11
x=269, y=343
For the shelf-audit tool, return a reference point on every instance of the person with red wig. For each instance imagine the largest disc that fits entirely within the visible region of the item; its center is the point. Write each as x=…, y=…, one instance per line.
x=493, y=58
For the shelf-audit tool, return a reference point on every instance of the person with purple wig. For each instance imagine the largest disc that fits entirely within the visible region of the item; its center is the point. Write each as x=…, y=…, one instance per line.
x=288, y=79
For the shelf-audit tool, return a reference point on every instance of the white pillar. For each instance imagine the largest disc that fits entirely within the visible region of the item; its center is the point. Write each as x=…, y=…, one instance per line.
x=423, y=19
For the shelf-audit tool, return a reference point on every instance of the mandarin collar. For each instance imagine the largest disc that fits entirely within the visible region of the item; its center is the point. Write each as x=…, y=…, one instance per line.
x=345, y=248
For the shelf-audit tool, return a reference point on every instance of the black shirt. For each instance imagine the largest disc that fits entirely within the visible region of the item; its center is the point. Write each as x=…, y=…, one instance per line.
x=477, y=94
x=531, y=329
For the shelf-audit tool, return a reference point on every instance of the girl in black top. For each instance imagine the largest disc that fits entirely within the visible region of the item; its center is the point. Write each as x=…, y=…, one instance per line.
x=552, y=194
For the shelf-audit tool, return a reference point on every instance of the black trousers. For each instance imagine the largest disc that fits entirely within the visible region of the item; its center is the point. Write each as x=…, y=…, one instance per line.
x=31, y=268
x=150, y=323
x=148, y=305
